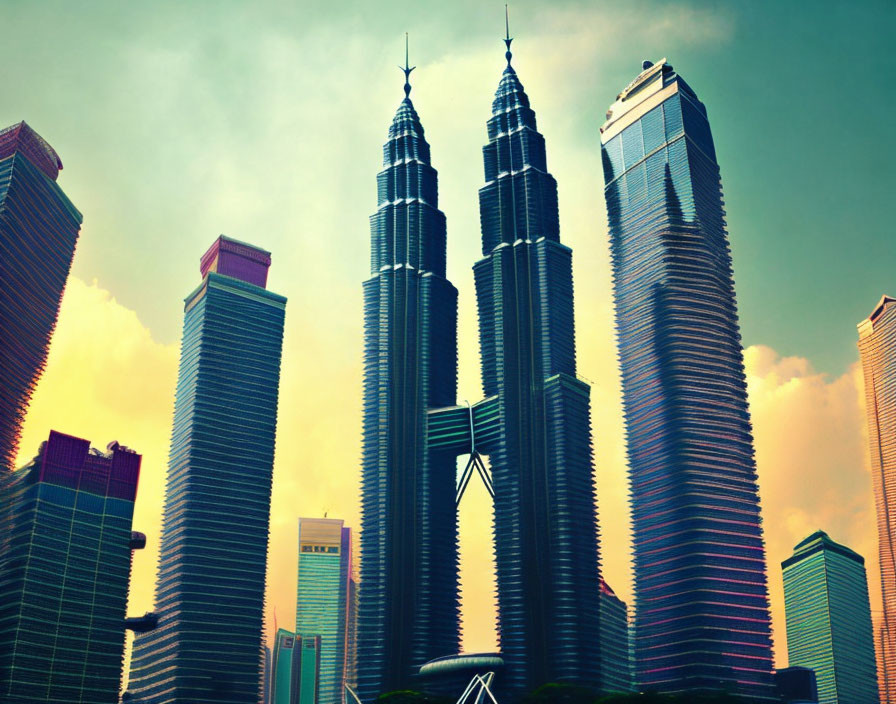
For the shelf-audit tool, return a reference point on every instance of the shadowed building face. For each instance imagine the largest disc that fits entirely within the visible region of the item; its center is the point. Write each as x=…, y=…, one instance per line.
x=546, y=545
x=701, y=601
x=408, y=607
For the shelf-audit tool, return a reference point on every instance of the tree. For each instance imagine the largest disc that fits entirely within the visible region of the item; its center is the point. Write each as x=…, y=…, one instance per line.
x=560, y=693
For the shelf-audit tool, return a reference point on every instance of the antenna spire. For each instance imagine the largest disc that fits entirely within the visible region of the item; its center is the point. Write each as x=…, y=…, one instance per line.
x=507, y=37
x=406, y=68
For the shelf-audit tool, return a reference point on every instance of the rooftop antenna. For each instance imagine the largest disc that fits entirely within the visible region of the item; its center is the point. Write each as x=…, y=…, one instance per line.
x=507, y=37
x=407, y=68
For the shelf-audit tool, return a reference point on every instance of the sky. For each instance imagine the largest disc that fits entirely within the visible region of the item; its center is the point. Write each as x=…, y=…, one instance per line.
x=265, y=121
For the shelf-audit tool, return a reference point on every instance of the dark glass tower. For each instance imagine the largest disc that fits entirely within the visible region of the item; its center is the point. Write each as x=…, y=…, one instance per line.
x=408, y=612
x=210, y=588
x=546, y=542
x=38, y=230
x=65, y=562
x=701, y=604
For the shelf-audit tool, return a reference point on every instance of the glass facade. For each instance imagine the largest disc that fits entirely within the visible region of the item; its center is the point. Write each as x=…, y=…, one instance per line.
x=877, y=348
x=829, y=620
x=65, y=561
x=322, y=604
x=295, y=669
x=701, y=604
x=408, y=606
x=211, y=580
x=545, y=526
x=38, y=230
x=616, y=669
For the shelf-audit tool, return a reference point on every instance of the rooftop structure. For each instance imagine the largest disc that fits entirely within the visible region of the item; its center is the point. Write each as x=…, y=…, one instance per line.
x=65, y=561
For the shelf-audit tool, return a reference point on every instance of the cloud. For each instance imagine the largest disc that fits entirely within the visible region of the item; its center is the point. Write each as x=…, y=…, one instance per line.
x=107, y=379
x=813, y=472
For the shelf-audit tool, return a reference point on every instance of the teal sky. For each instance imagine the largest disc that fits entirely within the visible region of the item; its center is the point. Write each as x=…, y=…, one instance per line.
x=161, y=110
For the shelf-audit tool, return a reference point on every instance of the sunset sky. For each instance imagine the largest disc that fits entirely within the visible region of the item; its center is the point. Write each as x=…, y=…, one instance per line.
x=177, y=122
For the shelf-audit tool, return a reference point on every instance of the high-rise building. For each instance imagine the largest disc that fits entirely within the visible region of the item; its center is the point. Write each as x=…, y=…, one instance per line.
x=701, y=597
x=306, y=677
x=616, y=674
x=545, y=525
x=295, y=671
x=211, y=579
x=877, y=348
x=829, y=620
x=408, y=610
x=323, y=605
x=65, y=561
x=38, y=230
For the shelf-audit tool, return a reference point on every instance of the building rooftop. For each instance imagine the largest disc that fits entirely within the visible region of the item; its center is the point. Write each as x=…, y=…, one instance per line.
x=653, y=79
x=240, y=260
x=818, y=541
x=24, y=140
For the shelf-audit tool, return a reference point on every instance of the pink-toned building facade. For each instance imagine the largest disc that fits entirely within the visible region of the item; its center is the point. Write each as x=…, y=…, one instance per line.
x=877, y=348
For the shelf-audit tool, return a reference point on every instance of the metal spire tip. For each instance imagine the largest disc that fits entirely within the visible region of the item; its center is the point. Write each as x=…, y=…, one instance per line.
x=507, y=37
x=406, y=68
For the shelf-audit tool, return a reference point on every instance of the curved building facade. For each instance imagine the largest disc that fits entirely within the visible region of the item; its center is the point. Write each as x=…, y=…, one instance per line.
x=877, y=348
x=39, y=228
x=409, y=604
x=545, y=525
x=701, y=598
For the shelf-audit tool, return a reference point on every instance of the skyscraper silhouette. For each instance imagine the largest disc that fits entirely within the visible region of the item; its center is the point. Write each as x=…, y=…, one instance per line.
x=701, y=604
x=877, y=347
x=408, y=609
x=38, y=230
x=546, y=543
x=211, y=580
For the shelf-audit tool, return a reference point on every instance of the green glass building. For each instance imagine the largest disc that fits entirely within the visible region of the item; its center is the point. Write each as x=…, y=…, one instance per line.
x=295, y=669
x=322, y=603
x=829, y=620
x=65, y=561
x=207, y=648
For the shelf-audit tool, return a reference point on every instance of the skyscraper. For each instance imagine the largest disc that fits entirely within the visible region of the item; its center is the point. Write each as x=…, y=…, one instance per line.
x=701, y=599
x=877, y=348
x=322, y=603
x=211, y=580
x=408, y=611
x=295, y=670
x=545, y=525
x=616, y=675
x=829, y=620
x=38, y=230
x=65, y=561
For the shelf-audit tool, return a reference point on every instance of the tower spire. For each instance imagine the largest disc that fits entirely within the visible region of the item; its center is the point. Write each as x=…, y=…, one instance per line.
x=406, y=68
x=507, y=37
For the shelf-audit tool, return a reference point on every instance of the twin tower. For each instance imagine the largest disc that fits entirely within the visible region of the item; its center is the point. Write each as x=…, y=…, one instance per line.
x=533, y=422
